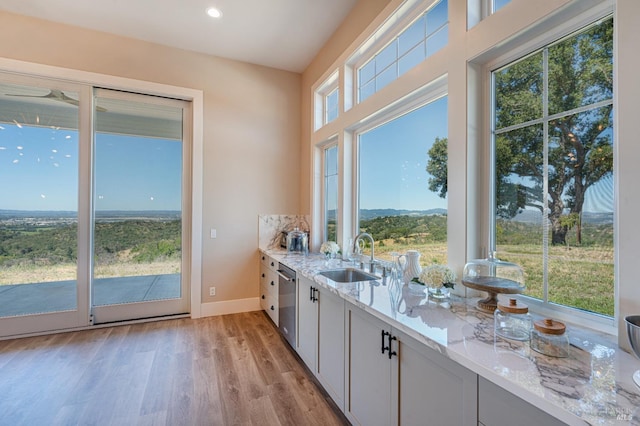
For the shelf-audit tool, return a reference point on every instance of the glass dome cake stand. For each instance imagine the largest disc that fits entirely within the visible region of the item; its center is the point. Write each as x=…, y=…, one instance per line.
x=495, y=277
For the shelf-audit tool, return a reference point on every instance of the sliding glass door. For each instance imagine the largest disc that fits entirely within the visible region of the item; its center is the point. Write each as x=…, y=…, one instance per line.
x=139, y=163
x=94, y=205
x=41, y=284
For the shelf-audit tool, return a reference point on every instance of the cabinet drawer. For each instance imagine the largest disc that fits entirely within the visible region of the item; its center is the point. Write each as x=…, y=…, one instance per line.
x=269, y=262
x=272, y=309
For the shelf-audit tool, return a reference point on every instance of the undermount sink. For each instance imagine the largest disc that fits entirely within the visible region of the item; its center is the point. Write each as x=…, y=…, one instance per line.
x=348, y=275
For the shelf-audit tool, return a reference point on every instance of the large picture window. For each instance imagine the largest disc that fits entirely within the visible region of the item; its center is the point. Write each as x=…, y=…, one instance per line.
x=553, y=168
x=400, y=174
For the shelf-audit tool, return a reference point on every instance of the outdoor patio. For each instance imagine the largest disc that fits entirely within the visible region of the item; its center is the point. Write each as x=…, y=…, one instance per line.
x=24, y=299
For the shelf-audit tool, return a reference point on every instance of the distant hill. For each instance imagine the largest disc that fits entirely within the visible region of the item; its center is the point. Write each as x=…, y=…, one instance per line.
x=6, y=214
x=534, y=216
x=120, y=214
x=373, y=213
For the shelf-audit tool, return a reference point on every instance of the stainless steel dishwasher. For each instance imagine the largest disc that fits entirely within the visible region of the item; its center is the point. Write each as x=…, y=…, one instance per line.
x=287, y=303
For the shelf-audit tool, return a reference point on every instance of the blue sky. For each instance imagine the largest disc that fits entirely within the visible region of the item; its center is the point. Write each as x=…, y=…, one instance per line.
x=39, y=170
x=393, y=160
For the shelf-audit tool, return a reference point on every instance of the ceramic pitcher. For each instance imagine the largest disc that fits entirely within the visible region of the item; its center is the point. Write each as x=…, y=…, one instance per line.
x=412, y=265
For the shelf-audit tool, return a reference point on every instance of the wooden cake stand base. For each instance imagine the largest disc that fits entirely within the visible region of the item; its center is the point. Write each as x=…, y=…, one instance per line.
x=493, y=286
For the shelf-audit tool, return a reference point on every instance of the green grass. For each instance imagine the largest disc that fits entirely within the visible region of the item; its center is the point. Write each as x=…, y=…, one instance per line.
x=581, y=276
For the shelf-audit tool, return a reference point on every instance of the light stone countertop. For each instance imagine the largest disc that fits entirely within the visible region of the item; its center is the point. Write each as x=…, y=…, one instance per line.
x=593, y=386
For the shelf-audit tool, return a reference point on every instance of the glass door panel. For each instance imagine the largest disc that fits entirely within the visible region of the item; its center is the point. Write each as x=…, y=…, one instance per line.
x=39, y=157
x=138, y=199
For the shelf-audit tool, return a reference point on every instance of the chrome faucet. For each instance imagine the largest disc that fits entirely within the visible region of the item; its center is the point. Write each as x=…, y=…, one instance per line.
x=356, y=245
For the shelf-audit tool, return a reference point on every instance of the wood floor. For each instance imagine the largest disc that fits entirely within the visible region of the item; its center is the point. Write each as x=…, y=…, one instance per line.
x=226, y=370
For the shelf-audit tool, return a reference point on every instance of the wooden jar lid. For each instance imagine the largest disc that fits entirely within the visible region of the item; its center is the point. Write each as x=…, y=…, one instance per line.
x=549, y=326
x=513, y=307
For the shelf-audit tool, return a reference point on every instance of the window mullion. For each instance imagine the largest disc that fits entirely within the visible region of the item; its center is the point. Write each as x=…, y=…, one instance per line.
x=545, y=174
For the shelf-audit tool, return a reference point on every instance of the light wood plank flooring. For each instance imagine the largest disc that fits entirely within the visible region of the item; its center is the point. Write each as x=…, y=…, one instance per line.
x=226, y=370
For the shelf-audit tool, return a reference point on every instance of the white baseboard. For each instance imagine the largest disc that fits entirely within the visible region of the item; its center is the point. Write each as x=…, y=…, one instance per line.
x=230, y=307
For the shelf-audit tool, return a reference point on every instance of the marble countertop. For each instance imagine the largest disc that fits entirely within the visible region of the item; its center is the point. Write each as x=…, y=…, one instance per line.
x=593, y=386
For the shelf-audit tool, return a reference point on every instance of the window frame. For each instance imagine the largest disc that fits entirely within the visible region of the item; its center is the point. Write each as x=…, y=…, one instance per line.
x=332, y=143
x=592, y=320
x=389, y=32
x=321, y=94
x=425, y=95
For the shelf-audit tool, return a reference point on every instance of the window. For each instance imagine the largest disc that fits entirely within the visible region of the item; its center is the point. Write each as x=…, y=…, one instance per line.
x=553, y=166
x=424, y=37
x=327, y=101
x=402, y=183
x=331, y=193
x=477, y=10
x=331, y=106
x=498, y=4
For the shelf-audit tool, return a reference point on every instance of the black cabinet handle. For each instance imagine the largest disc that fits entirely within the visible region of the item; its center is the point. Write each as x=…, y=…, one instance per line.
x=391, y=353
x=312, y=294
x=262, y=275
x=273, y=264
x=388, y=347
x=272, y=283
x=273, y=309
x=263, y=296
x=262, y=257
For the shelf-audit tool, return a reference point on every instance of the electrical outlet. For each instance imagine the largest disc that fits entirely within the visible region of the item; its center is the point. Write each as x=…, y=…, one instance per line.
x=212, y=291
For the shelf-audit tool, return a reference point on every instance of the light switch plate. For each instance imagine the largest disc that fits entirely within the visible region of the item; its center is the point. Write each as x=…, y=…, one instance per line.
x=214, y=233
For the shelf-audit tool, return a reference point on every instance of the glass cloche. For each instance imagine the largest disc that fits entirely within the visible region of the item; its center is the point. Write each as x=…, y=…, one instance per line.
x=495, y=277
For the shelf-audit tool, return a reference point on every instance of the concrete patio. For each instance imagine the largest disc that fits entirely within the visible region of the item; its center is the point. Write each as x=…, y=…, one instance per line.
x=24, y=299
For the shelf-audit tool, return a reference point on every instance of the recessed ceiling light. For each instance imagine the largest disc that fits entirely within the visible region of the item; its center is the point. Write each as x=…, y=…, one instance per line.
x=214, y=13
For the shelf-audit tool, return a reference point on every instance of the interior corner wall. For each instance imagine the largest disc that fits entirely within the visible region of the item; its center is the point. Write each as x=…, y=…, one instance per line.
x=362, y=14
x=251, y=128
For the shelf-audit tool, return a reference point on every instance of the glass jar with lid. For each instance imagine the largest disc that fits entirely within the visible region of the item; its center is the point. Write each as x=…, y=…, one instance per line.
x=549, y=338
x=512, y=320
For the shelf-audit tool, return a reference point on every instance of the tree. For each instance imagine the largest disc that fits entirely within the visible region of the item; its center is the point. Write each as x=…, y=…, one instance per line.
x=579, y=152
x=437, y=167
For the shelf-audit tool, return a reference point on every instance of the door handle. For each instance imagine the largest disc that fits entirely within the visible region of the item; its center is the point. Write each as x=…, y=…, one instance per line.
x=314, y=290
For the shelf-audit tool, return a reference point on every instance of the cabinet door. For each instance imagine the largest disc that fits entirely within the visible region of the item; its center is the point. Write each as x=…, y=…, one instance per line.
x=433, y=389
x=369, y=371
x=499, y=407
x=331, y=353
x=307, y=323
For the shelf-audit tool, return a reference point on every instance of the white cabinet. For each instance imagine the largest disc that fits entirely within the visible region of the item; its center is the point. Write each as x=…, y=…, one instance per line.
x=432, y=387
x=368, y=398
x=321, y=336
x=393, y=379
x=269, y=286
x=498, y=407
x=307, y=323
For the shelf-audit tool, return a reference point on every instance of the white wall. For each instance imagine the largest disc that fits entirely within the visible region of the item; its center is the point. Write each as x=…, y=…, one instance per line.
x=251, y=134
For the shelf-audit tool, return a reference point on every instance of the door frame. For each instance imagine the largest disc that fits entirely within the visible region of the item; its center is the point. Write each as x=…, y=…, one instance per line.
x=45, y=323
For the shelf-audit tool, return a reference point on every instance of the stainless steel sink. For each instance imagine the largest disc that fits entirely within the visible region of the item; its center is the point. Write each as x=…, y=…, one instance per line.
x=348, y=275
